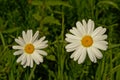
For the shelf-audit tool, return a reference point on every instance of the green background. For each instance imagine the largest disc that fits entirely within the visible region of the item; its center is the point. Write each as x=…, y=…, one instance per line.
x=54, y=18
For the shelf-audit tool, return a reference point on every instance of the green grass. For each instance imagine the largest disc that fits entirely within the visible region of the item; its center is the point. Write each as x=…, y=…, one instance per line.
x=53, y=18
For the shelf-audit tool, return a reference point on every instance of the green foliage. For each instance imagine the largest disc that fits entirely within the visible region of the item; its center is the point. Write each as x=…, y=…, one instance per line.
x=53, y=18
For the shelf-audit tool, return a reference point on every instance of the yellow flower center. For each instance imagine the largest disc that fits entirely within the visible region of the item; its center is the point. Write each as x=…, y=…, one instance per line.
x=87, y=41
x=29, y=48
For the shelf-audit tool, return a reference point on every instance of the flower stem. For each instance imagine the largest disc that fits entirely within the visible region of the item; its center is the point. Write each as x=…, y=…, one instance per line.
x=32, y=73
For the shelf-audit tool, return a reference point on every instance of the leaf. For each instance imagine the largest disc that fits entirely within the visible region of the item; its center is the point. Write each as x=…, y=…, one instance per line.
x=36, y=3
x=37, y=16
x=11, y=30
x=51, y=57
x=51, y=73
x=110, y=3
x=50, y=20
x=115, y=69
x=3, y=24
x=58, y=3
x=51, y=3
x=114, y=46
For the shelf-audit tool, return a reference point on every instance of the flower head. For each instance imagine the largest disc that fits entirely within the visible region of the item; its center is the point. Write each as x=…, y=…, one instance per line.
x=85, y=40
x=30, y=48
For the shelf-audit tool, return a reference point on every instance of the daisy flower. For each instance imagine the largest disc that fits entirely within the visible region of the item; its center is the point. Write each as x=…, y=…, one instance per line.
x=30, y=48
x=85, y=40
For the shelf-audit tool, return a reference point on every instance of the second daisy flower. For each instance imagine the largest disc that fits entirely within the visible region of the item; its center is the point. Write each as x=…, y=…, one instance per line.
x=85, y=40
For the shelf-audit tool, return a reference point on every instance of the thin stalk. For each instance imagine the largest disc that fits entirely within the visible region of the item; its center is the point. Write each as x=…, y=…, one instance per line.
x=2, y=39
x=63, y=28
x=61, y=56
x=32, y=73
x=111, y=66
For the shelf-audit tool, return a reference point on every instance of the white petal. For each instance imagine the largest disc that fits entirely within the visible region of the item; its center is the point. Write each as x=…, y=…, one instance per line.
x=25, y=37
x=42, y=39
x=31, y=62
x=40, y=46
x=99, y=31
x=71, y=49
x=37, y=42
x=29, y=35
x=35, y=36
x=28, y=60
x=24, y=66
x=102, y=31
x=71, y=40
x=34, y=57
x=91, y=55
x=72, y=45
x=85, y=25
x=73, y=54
x=98, y=38
x=18, y=52
x=72, y=36
x=75, y=32
x=90, y=26
x=97, y=53
x=19, y=42
x=78, y=54
x=96, y=31
x=81, y=28
x=44, y=42
x=40, y=58
x=21, y=39
x=102, y=42
x=83, y=56
x=24, y=60
x=41, y=52
x=101, y=45
x=17, y=47
x=20, y=58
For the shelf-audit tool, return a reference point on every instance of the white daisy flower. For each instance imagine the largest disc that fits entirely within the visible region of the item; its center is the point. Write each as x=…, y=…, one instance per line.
x=85, y=40
x=30, y=48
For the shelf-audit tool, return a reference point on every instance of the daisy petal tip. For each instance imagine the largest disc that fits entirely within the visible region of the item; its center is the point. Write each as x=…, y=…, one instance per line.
x=71, y=57
x=15, y=39
x=23, y=32
x=77, y=23
x=104, y=29
x=45, y=54
x=75, y=59
x=90, y=19
x=83, y=20
x=14, y=54
x=17, y=61
x=80, y=62
x=44, y=37
x=100, y=57
x=66, y=47
x=13, y=47
x=38, y=63
x=66, y=35
x=65, y=39
x=31, y=66
x=105, y=48
x=24, y=66
x=94, y=61
x=37, y=31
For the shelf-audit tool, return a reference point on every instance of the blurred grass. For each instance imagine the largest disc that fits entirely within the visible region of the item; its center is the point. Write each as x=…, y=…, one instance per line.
x=53, y=18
